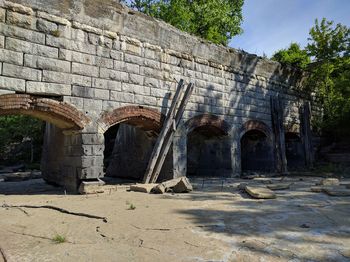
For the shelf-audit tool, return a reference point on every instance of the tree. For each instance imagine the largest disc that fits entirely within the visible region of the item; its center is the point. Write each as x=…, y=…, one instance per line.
x=293, y=55
x=216, y=20
x=15, y=129
x=329, y=47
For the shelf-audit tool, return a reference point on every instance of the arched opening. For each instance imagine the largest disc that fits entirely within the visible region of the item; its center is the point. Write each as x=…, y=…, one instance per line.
x=256, y=148
x=130, y=135
x=37, y=134
x=294, y=151
x=208, y=147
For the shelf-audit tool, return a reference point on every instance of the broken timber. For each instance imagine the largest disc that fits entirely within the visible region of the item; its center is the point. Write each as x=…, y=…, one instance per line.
x=166, y=135
x=306, y=136
x=277, y=124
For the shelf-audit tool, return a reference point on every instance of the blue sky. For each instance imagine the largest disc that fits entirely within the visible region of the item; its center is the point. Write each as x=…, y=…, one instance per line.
x=270, y=25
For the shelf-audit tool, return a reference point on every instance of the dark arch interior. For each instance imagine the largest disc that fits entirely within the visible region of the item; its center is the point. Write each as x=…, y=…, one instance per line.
x=128, y=148
x=29, y=145
x=294, y=151
x=256, y=152
x=208, y=152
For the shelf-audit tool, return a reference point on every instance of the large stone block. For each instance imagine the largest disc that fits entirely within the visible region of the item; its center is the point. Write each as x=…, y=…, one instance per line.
x=47, y=88
x=13, y=84
x=21, y=33
x=114, y=75
x=107, y=84
x=46, y=63
x=31, y=48
x=122, y=97
x=21, y=72
x=86, y=70
x=17, y=19
x=47, y=27
x=11, y=57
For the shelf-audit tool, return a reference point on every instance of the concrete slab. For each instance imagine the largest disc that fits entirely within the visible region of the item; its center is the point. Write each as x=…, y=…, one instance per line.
x=329, y=182
x=260, y=192
x=91, y=187
x=144, y=188
x=279, y=186
x=336, y=191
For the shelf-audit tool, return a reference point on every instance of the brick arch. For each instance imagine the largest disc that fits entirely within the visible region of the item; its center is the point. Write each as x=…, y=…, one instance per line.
x=208, y=120
x=256, y=125
x=61, y=114
x=145, y=118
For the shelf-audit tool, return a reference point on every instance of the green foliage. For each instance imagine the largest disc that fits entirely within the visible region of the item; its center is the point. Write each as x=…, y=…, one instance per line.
x=216, y=20
x=293, y=55
x=16, y=129
x=328, y=42
x=131, y=207
x=59, y=239
x=330, y=74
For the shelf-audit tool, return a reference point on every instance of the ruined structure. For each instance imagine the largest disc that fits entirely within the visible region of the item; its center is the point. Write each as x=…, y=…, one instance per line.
x=103, y=76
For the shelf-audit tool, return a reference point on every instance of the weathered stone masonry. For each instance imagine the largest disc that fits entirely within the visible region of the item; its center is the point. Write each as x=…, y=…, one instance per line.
x=84, y=66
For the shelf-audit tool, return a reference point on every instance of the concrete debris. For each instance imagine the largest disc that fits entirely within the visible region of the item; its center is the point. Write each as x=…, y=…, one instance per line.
x=279, y=186
x=263, y=180
x=329, y=182
x=91, y=187
x=316, y=189
x=260, y=192
x=183, y=186
x=336, y=191
x=242, y=186
x=144, y=188
x=21, y=176
x=176, y=185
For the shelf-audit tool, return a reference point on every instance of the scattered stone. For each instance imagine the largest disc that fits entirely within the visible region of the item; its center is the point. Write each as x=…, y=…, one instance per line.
x=316, y=189
x=159, y=189
x=183, y=186
x=251, y=175
x=260, y=192
x=305, y=226
x=337, y=191
x=16, y=177
x=242, y=186
x=329, y=182
x=263, y=180
x=279, y=186
x=176, y=185
x=91, y=187
x=144, y=188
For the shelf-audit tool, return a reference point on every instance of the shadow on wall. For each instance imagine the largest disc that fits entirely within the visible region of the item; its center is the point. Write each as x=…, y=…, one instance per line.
x=208, y=152
x=294, y=151
x=256, y=152
x=127, y=152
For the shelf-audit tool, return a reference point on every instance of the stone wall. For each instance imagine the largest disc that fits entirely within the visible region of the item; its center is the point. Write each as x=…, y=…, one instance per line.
x=99, y=56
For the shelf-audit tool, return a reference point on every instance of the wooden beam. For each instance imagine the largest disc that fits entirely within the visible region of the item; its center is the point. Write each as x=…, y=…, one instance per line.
x=165, y=129
x=169, y=138
x=278, y=130
x=305, y=132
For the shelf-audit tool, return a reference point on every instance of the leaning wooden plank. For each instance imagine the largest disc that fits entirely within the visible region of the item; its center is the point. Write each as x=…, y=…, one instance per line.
x=170, y=136
x=306, y=135
x=166, y=127
x=278, y=130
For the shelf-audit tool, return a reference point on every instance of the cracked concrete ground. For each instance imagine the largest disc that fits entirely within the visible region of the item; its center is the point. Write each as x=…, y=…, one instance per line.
x=216, y=222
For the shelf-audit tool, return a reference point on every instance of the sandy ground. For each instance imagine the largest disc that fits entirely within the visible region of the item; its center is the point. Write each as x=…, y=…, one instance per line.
x=214, y=223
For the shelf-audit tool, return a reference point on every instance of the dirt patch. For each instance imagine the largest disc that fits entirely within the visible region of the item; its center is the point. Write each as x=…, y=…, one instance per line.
x=216, y=222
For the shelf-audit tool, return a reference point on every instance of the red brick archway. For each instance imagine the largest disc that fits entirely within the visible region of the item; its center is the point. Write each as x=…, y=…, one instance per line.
x=145, y=118
x=61, y=114
x=255, y=125
x=210, y=121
